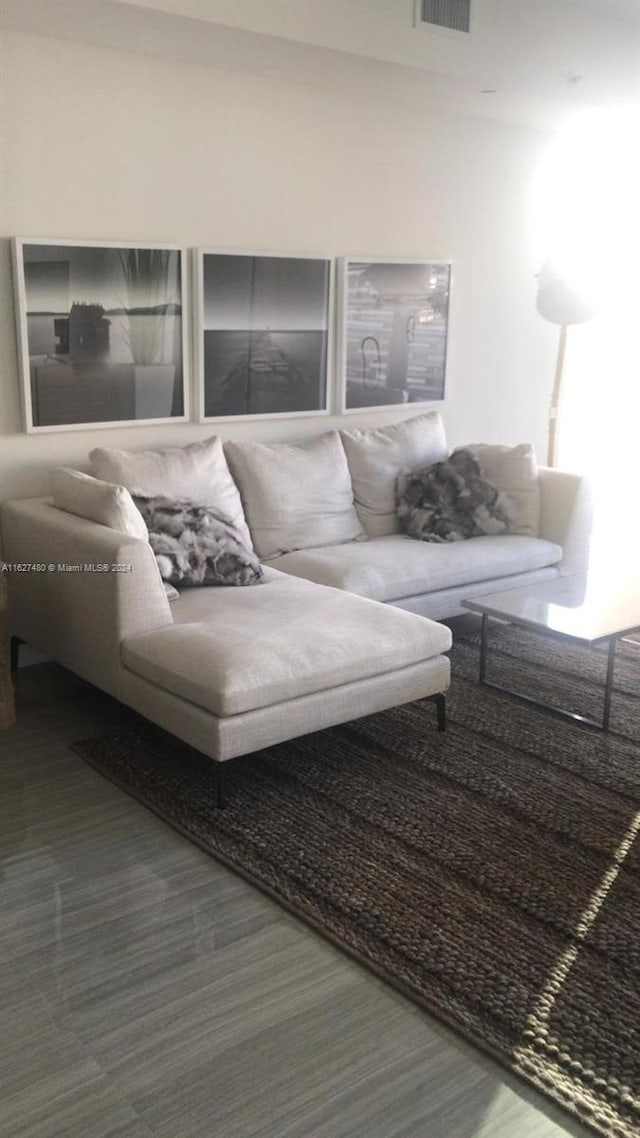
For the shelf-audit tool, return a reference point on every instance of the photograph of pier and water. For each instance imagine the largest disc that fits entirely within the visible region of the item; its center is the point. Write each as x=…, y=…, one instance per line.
x=264, y=334
x=101, y=333
x=394, y=332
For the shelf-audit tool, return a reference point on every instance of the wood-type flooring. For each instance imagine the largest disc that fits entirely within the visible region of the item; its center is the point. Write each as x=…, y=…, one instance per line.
x=145, y=990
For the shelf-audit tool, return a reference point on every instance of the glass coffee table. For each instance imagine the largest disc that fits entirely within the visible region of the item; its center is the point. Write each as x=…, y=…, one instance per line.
x=591, y=609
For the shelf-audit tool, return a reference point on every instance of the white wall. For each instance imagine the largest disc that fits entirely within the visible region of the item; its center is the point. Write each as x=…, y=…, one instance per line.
x=103, y=144
x=525, y=48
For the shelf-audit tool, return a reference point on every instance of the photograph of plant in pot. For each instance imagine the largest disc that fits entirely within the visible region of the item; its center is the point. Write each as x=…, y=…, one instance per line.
x=100, y=332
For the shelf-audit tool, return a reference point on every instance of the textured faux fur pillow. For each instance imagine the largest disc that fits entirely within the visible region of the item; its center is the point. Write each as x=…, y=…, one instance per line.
x=451, y=501
x=197, y=545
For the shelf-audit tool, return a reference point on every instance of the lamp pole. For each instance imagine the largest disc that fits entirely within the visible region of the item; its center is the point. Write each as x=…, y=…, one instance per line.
x=559, y=302
x=554, y=409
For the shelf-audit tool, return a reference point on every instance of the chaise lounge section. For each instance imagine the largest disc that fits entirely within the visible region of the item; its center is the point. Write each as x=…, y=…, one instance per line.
x=227, y=670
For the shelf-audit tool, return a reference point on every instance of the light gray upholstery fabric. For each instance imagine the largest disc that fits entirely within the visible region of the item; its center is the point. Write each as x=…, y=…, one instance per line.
x=514, y=471
x=281, y=640
x=377, y=455
x=445, y=603
x=191, y=606
x=387, y=568
x=98, y=501
x=194, y=605
x=194, y=473
x=233, y=735
x=295, y=496
x=566, y=516
x=78, y=613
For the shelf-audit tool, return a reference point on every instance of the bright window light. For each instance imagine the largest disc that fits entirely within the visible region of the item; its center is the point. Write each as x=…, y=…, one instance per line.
x=586, y=204
x=587, y=221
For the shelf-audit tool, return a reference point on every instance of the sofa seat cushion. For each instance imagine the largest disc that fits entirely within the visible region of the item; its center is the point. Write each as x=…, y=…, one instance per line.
x=280, y=640
x=396, y=566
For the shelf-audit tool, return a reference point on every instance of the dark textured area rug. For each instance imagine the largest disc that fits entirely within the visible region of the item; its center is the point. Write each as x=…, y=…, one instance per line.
x=490, y=873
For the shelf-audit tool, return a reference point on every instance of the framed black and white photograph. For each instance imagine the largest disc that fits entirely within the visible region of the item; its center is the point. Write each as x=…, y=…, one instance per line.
x=263, y=334
x=393, y=335
x=101, y=333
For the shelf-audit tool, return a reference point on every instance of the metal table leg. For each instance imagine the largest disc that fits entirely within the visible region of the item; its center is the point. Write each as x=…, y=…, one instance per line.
x=609, y=684
x=483, y=646
x=602, y=724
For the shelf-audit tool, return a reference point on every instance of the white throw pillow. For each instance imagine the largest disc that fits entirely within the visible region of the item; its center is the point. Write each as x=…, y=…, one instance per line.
x=97, y=501
x=513, y=470
x=197, y=472
x=295, y=497
x=376, y=457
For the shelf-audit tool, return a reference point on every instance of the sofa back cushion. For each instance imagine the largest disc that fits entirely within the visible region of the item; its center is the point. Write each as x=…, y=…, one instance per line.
x=197, y=472
x=97, y=501
x=376, y=457
x=514, y=471
x=295, y=497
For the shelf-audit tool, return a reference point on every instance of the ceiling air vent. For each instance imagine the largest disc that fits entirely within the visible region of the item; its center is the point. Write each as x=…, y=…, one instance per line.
x=454, y=14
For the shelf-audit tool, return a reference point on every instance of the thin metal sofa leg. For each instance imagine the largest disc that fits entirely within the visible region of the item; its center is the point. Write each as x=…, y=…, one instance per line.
x=14, y=652
x=441, y=710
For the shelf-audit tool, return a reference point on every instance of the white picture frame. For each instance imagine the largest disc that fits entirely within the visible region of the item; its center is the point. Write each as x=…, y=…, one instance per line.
x=263, y=334
x=393, y=332
x=102, y=333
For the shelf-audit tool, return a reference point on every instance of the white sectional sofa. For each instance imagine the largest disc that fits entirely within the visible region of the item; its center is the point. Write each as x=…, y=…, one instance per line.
x=232, y=670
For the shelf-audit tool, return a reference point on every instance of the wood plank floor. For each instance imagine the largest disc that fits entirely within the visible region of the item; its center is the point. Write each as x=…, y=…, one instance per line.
x=146, y=990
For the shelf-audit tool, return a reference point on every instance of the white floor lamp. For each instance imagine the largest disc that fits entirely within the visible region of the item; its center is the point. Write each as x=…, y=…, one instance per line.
x=560, y=303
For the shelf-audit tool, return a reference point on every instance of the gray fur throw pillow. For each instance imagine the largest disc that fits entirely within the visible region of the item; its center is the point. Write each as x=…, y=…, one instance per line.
x=197, y=545
x=451, y=501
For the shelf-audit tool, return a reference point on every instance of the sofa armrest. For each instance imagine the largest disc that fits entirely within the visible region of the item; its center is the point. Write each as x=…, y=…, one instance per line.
x=83, y=587
x=566, y=516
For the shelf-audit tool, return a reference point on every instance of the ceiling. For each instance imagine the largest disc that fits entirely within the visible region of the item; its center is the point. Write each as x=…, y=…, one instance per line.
x=527, y=61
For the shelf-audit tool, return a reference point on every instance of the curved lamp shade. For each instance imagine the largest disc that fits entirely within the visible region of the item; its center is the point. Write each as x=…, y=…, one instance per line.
x=560, y=303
